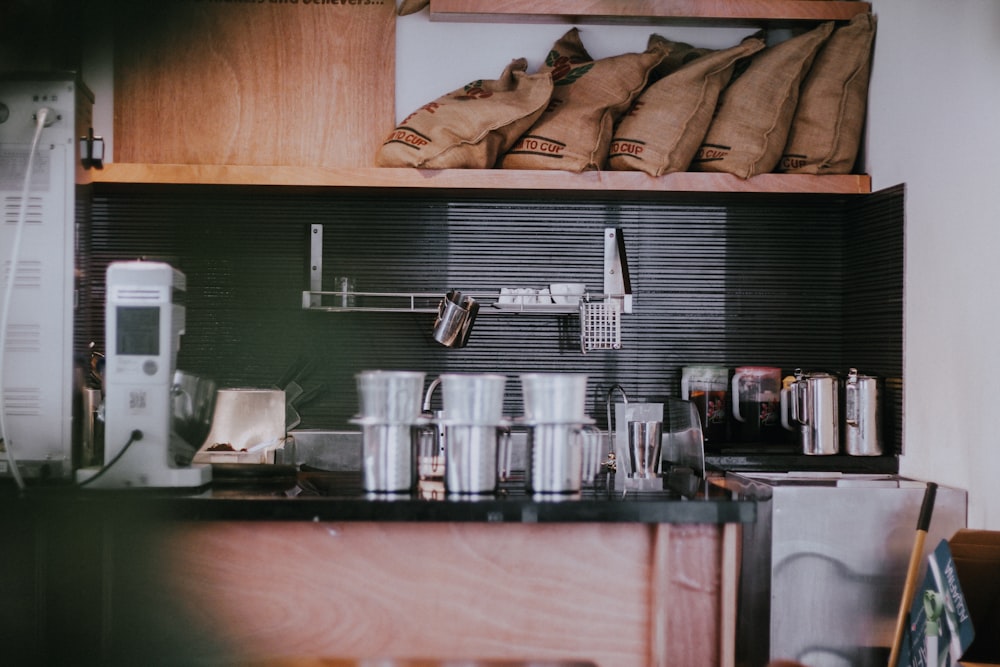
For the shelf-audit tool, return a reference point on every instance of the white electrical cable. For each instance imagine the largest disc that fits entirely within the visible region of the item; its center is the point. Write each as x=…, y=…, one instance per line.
x=15, y=251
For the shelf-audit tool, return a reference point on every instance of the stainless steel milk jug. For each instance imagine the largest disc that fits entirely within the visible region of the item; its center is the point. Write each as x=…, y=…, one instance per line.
x=862, y=435
x=455, y=317
x=809, y=407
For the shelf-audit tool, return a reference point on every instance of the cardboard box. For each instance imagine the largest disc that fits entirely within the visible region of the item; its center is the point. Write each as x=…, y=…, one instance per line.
x=955, y=616
x=977, y=561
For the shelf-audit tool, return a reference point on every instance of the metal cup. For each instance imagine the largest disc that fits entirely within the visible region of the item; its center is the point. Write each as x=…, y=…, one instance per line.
x=388, y=457
x=561, y=457
x=478, y=456
x=645, y=440
x=454, y=319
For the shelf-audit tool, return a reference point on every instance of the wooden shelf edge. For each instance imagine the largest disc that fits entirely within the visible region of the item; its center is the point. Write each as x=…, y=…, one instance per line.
x=720, y=11
x=477, y=179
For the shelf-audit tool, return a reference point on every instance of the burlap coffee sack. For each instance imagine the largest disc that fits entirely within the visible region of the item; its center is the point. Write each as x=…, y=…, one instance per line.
x=469, y=127
x=665, y=127
x=589, y=96
x=407, y=7
x=826, y=129
x=678, y=55
x=750, y=128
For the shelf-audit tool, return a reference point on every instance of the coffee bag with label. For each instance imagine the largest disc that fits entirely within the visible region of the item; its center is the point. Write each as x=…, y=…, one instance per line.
x=826, y=129
x=750, y=128
x=589, y=96
x=469, y=127
x=663, y=131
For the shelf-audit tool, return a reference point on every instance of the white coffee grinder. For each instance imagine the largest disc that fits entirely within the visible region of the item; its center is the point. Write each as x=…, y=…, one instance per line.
x=143, y=323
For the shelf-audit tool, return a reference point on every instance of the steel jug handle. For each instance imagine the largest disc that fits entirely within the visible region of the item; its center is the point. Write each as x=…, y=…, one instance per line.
x=786, y=398
x=801, y=411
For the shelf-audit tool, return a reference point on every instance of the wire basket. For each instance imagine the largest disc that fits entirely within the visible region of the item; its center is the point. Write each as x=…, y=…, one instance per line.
x=600, y=326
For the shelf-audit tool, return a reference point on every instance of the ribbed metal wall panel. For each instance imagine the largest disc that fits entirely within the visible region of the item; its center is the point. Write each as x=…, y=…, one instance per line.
x=719, y=282
x=873, y=297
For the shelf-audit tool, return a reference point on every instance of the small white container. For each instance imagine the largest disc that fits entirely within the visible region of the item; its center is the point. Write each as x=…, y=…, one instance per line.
x=567, y=293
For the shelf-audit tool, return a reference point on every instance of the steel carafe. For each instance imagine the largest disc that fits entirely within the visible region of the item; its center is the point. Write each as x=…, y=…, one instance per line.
x=809, y=408
x=862, y=436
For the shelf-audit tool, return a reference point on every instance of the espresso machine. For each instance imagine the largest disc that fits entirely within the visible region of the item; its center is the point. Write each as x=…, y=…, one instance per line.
x=656, y=446
x=144, y=320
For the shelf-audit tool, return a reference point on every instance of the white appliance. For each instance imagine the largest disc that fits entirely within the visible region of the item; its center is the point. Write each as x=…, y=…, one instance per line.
x=37, y=370
x=825, y=562
x=144, y=320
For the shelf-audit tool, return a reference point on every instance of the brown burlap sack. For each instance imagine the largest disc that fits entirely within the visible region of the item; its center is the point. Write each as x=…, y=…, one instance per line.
x=664, y=129
x=678, y=55
x=826, y=129
x=750, y=128
x=470, y=127
x=589, y=96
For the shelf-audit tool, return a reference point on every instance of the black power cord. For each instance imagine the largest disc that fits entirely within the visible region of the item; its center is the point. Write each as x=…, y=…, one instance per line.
x=135, y=436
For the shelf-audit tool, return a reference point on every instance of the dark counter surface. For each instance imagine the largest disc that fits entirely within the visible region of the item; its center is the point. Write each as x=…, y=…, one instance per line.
x=286, y=494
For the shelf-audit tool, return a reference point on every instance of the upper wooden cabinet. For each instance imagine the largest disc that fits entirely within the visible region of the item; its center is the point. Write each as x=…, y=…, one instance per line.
x=302, y=94
x=238, y=83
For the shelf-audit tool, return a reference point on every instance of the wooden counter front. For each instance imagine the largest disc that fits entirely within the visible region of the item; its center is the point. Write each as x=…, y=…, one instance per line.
x=311, y=568
x=614, y=594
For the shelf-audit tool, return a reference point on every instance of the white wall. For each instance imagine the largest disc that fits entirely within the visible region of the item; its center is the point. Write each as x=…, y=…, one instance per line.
x=934, y=124
x=435, y=58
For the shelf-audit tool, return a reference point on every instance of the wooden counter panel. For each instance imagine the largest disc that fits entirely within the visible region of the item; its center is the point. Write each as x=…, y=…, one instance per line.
x=619, y=595
x=295, y=84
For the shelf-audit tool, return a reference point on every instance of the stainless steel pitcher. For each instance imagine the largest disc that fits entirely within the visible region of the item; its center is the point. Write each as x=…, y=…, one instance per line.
x=809, y=406
x=862, y=435
x=455, y=317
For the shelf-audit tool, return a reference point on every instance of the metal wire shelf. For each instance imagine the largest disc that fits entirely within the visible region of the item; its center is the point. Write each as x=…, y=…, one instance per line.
x=600, y=314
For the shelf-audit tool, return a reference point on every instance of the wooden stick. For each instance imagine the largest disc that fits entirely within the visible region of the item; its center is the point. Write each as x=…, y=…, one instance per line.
x=909, y=588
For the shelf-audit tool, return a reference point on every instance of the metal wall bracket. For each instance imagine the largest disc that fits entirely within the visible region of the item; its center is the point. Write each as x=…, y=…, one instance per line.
x=315, y=299
x=616, y=276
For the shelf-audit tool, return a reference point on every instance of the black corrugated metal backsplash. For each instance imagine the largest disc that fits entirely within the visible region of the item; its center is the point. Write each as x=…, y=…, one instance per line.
x=813, y=283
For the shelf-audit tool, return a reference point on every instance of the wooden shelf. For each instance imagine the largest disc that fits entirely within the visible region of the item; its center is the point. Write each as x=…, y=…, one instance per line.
x=719, y=12
x=477, y=179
